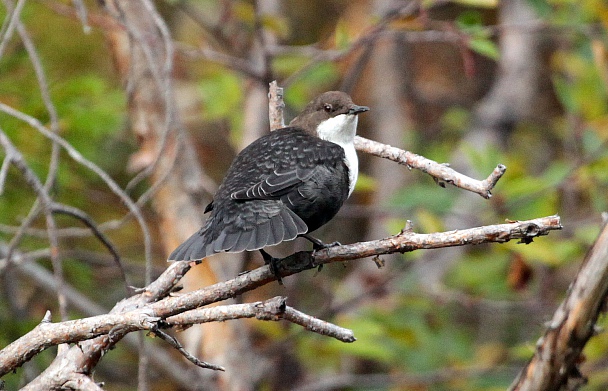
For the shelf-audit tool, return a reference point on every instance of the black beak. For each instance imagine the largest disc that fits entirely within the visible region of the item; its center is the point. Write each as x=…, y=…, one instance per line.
x=354, y=109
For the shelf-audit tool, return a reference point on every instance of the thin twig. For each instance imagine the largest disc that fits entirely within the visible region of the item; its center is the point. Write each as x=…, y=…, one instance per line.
x=53, y=165
x=164, y=84
x=88, y=221
x=175, y=343
x=442, y=172
x=276, y=106
x=6, y=163
x=272, y=310
x=81, y=11
x=9, y=25
x=318, y=326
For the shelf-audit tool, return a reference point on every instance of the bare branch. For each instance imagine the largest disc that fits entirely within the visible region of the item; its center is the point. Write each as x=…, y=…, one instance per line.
x=161, y=360
x=141, y=312
x=273, y=309
x=276, y=105
x=178, y=346
x=47, y=334
x=9, y=25
x=555, y=365
x=318, y=326
x=441, y=172
x=86, y=220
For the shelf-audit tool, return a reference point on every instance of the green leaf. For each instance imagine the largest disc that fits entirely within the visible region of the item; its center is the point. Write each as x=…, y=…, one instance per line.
x=470, y=21
x=485, y=47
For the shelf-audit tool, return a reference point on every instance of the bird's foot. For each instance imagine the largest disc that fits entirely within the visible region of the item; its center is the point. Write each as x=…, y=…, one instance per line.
x=318, y=244
x=273, y=263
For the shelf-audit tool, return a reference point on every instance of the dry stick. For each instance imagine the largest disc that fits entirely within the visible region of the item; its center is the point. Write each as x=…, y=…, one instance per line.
x=272, y=309
x=88, y=221
x=162, y=360
x=276, y=106
x=140, y=312
x=554, y=365
x=178, y=346
x=9, y=25
x=441, y=172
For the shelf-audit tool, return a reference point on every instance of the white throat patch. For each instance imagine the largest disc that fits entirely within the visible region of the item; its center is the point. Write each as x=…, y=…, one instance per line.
x=341, y=130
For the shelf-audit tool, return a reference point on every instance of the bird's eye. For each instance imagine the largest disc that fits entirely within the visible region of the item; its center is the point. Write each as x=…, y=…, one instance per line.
x=327, y=107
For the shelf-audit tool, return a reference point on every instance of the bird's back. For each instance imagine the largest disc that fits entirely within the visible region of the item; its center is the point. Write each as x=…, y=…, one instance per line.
x=284, y=184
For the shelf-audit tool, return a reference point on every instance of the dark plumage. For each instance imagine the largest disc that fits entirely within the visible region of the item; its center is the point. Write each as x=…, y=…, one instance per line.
x=287, y=183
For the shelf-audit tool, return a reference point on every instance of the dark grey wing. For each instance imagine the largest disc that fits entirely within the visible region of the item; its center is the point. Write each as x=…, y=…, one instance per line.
x=289, y=166
x=275, y=185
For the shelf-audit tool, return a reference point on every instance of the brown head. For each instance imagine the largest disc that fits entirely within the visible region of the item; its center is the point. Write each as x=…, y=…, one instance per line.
x=336, y=106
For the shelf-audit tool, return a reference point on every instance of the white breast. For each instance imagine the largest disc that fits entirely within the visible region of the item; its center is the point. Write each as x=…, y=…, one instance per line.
x=341, y=130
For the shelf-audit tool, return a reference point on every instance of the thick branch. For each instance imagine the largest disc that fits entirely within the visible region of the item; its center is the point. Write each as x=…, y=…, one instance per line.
x=134, y=314
x=555, y=362
x=48, y=334
x=407, y=240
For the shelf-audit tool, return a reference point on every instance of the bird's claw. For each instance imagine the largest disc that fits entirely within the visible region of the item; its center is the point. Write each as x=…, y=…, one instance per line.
x=320, y=245
x=273, y=264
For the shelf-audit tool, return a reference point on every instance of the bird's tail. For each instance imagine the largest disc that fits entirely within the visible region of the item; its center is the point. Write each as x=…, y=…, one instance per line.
x=192, y=249
x=213, y=239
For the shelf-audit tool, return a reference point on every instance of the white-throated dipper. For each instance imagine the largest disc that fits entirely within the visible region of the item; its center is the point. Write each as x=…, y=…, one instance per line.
x=285, y=184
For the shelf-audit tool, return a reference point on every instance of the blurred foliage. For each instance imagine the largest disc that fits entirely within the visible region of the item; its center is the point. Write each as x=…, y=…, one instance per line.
x=556, y=167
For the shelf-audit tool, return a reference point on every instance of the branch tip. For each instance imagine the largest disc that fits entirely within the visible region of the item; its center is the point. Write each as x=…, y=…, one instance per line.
x=408, y=228
x=47, y=317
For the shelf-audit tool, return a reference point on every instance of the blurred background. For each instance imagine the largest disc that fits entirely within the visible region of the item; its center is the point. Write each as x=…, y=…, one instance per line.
x=473, y=83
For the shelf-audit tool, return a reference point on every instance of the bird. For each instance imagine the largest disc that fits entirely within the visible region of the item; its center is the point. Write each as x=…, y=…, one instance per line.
x=283, y=185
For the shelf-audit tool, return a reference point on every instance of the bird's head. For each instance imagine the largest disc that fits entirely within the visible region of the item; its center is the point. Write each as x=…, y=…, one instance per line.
x=331, y=116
